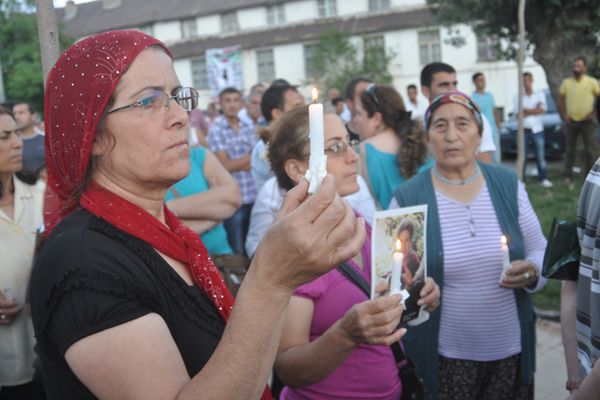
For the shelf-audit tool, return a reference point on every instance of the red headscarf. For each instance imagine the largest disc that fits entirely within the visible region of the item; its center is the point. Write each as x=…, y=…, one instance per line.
x=78, y=89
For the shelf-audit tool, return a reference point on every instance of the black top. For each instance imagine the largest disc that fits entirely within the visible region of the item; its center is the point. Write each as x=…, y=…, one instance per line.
x=91, y=276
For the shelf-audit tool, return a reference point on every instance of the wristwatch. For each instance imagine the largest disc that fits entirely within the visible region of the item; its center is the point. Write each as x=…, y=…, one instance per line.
x=572, y=384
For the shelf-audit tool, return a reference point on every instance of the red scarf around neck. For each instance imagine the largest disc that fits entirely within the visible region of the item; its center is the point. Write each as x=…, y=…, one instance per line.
x=173, y=239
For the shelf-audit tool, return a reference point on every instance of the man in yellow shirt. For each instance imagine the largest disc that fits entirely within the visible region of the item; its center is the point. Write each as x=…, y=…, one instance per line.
x=579, y=93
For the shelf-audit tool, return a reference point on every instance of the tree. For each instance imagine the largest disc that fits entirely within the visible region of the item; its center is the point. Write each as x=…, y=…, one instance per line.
x=335, y=60
x=20, y=56
x=558, y=30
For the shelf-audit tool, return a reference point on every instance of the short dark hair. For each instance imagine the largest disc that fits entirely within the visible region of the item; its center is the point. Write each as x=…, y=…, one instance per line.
x=350, y=89
x=228, y=90
x=408, y=225
x=431, y=69
x=476, y=75
x=411, y=86
x=274, y=97
x=336, y=101
x=527, y=74
x=582, y=58
x=30, y=106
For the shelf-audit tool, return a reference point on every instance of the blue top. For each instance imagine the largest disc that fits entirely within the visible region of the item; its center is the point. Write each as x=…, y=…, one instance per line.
x=259, y=165
x=215, y=239
x=486, y=103
x=384, y=173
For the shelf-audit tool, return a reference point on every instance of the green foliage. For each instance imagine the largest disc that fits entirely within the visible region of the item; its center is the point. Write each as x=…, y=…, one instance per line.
x=336, y=59
x=545, y=20
x=560, y=202
x=20, y=58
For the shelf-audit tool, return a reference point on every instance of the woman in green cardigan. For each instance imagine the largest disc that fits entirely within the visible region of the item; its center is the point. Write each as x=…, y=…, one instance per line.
x=480, y=344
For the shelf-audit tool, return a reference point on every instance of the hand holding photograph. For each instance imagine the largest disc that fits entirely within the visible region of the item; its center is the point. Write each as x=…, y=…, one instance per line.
x=399, y=258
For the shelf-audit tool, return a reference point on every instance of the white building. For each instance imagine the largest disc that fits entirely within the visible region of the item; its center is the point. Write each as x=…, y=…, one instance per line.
x=276, y=37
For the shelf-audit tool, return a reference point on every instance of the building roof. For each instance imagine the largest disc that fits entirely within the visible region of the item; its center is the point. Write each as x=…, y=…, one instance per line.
x=306, y=32
x=92, y=18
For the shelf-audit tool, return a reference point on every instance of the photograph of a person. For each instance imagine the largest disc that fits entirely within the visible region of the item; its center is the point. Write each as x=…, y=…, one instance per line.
x=399, y=262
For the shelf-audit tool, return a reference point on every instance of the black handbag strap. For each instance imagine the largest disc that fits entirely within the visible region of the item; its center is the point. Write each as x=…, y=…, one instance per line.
x=362, y=284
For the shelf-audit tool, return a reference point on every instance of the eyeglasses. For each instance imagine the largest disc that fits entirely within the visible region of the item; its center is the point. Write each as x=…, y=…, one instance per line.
x=339, y=149
x=371, y=91
x=186, y=97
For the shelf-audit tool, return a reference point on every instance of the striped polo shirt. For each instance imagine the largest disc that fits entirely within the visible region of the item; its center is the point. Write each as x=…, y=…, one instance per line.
x=588, y=286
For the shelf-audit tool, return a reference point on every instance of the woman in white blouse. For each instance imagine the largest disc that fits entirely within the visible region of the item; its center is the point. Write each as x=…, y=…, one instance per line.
x=20, y=216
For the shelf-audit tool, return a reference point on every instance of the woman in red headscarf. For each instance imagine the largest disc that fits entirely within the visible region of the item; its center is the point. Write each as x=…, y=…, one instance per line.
x=125, y=300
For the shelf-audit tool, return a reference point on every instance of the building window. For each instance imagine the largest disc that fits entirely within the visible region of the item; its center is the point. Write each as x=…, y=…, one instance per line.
x=229, y=22
x=188, y=28
x=327, y=8
x=275, y=15
x=487, y=48
x=265, y=65
x=147, y=29
x=429, y=46
x=379, y=5
x=310, y=52
x=199, y=73
x=374, y=53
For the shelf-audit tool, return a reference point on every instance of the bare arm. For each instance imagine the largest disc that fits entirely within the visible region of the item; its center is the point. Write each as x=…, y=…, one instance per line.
x=590, y=387
x=568, y=318
x=217, y=203
x=302, y=362
x=200, y=226
x=534, y=111
x=139, y=359
x=561, y=108
x=497, y=118
x=237, y=164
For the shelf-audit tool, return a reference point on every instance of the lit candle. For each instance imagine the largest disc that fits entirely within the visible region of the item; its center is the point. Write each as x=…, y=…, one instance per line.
x=396, y=281
x=317, y=163
x=505, y=256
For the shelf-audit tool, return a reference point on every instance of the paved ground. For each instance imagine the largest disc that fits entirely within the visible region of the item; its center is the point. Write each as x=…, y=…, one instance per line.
x=551, y=372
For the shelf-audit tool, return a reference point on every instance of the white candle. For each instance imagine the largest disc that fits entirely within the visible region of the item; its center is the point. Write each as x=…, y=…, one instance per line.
x=398, y=260
x=505, y=256
x=317, y=163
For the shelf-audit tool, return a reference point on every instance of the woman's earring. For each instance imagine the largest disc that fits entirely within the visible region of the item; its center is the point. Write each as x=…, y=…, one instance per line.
x=477, y=150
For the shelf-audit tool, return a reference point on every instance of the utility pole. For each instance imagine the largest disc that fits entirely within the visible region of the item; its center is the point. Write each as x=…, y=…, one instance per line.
x=520, y=59
x=48, y=34
x=2, y=93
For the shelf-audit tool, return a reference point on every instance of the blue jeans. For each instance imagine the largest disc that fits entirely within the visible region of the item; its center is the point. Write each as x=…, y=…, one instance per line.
x=535, y=143
x=237, y=228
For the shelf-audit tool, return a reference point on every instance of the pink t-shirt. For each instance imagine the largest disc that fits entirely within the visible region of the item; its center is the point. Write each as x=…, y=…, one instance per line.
x=369, y=372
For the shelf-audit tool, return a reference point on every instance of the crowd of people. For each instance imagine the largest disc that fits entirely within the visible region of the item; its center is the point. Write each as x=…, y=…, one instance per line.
x=111, y=220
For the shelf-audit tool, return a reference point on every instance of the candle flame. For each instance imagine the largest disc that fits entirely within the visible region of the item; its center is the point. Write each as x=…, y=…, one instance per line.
x=315, y=94
x=503, y=239
x=398, y=245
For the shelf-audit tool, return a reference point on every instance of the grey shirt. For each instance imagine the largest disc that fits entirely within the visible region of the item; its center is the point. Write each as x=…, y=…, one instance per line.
x=34, y=156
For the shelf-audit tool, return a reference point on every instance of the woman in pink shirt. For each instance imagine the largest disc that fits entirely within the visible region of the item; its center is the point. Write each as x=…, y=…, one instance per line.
x=336, y=342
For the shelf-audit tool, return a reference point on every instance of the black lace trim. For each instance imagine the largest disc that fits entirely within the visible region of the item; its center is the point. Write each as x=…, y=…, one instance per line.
x=198, y=309
x=97, y=281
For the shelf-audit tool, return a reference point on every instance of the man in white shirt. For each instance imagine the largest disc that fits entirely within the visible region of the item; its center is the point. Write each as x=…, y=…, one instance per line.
x=413, y=104
x=534, y=105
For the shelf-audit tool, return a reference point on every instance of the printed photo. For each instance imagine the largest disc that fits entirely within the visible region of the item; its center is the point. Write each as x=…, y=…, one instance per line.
x=399, y=256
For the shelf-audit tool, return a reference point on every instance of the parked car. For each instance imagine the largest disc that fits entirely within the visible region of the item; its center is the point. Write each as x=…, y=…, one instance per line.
x=553, y=131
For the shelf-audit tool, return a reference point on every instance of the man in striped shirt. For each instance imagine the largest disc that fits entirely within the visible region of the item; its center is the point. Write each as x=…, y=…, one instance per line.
x=588, y=294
